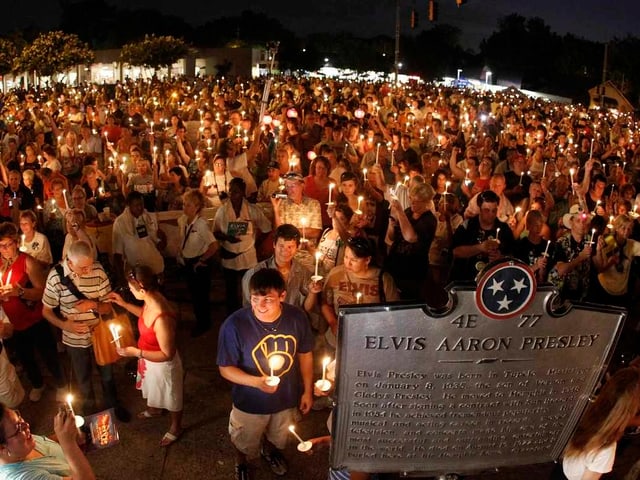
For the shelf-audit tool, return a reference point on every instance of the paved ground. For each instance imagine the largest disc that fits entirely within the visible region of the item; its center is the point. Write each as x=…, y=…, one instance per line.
x=204, y=451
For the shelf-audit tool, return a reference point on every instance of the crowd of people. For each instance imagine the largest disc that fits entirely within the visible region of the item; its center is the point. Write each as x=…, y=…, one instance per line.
x=321, y=194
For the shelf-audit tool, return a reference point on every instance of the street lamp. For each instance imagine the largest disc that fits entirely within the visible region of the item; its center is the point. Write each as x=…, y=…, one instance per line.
x=487, y=77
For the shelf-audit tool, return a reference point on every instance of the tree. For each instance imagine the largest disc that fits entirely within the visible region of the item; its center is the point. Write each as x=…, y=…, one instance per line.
x=7, y=56
x=154, y=52
x=54, y=52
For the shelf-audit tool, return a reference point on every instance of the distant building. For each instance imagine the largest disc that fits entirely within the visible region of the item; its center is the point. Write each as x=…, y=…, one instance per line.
x=608, y=95
x=234, y=61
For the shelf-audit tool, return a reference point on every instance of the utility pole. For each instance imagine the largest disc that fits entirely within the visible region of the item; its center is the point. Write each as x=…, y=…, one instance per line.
x=604, y=74
x=396, y=59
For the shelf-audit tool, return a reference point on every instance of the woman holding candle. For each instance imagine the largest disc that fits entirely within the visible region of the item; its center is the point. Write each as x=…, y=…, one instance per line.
x=409, y=238
x=534, y=249
x=316, y=185
x=215, y=183
x=170, y=198
x=33, y=242
x=23, y=455
x=159, y=365
x=613, y=259
x=349, y=190
x=356, y=276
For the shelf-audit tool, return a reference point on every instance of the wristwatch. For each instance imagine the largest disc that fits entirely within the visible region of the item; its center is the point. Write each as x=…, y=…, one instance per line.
x=20, y=291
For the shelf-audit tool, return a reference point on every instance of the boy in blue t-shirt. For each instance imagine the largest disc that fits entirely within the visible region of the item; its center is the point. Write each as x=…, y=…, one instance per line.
x=265, y=350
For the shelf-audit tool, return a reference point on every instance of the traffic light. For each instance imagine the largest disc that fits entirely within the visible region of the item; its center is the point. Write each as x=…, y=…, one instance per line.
x=414, y=18
x=433, y=11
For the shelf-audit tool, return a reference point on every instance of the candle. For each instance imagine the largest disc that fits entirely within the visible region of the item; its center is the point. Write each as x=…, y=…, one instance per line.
x=546, y=250
x=364, y=174
x=115, y=333
x=64, y=196
x=9, y=278
x=498, y=233
x=571, y=172
x=521, y=175
x=69, y=400
x=358, y=297
x=591, y=150
x=377, y=152
x=275, y=362
x=292, y=429
x=593, y=234
x=331, y=187
x=23, y=247
x=446, y=186
x=358, y=211
x=544, y=168
x=406, y=179
x=318, y=255
x=325, y=363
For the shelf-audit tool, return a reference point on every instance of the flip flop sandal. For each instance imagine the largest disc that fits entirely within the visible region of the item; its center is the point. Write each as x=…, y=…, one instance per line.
x=146, y=414
x=169, y=438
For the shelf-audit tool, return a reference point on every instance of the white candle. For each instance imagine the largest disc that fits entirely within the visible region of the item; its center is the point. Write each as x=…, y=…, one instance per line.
x=115, y=333
x=571, y=172
x=9, y=278
x=591, y=150
x=22, y=243
x=546, y=250
x=64, y=196
x=593, y=234
x=544, y=168
x=292, y=429
x=498, y=233
x=521, y=175
x=331, y=187
x=358, y=211
x=446, y=186
x=69, y=400
x=325, y=363
x=377, y=152
x=358, y=297
x=318, y=255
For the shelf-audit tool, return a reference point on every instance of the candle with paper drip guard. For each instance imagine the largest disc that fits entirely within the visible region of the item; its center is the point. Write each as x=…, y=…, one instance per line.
x=79, y=419
x=23, y=246
x=593, y=234
x=358, y=297
x=357, y=210
x=364, y=174
x=610, y=224
x=303, y=446
x=323, y=384
x=316, y=277
x=275, y=363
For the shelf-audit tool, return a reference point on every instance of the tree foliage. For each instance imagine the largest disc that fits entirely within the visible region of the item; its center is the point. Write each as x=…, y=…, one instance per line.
x=8, y=53
x=54, y=52
x=154, y=52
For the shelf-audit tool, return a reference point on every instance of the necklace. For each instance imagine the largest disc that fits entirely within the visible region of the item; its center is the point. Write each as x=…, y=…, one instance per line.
x=268, y=327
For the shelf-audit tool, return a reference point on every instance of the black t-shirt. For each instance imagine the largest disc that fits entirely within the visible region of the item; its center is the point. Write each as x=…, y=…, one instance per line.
x=470, y=233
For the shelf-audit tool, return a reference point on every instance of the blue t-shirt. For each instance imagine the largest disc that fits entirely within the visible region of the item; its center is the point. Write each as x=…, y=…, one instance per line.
x=51, y=466
x=248, y=344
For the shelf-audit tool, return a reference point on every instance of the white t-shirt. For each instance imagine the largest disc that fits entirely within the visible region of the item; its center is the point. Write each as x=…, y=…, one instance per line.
x=600, y=461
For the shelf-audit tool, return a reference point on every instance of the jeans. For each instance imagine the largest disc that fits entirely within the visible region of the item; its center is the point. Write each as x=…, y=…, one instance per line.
x=38, y=338
x=82, y=360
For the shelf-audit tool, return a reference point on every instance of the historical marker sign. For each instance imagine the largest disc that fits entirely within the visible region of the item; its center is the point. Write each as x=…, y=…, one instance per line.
x=498, y=381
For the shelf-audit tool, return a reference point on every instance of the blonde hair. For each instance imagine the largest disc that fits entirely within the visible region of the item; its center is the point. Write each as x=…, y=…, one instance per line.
x=606, y=419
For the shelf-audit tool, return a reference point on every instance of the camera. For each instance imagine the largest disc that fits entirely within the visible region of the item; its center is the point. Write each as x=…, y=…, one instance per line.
x=279, y=195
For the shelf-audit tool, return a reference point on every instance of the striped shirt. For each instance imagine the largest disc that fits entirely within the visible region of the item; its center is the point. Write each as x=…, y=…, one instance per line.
x=94, y=285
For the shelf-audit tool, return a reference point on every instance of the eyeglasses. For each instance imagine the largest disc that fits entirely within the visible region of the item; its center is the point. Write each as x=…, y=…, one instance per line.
x=21, y=426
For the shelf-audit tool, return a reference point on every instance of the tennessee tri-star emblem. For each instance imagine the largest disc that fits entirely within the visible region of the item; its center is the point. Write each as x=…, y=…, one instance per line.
x=505, y=290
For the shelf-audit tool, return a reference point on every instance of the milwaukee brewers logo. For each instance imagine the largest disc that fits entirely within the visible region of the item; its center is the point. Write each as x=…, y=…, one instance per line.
x=275, y=354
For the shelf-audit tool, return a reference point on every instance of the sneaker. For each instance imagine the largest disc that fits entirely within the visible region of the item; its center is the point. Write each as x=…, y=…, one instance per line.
x=61, y=394
x=276, y=461
x=242, y=471
x=36, y=394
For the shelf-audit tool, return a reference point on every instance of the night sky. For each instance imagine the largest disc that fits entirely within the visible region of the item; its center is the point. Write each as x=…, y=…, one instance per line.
x=598, y=20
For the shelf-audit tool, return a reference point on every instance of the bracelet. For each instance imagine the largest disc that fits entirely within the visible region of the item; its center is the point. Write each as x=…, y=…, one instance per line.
x=141, y=355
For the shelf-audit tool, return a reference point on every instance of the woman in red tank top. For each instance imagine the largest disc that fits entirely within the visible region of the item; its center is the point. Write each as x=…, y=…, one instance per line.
x=159, y=365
